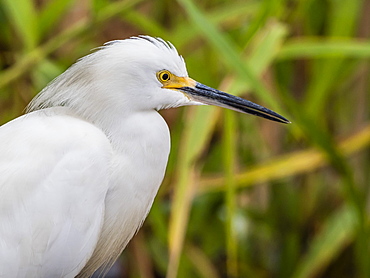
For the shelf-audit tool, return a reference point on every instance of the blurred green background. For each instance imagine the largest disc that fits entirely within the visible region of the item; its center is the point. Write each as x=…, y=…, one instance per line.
x=243, y=196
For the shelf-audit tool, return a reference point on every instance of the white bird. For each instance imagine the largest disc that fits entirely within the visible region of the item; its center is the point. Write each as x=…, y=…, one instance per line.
x=80, y=170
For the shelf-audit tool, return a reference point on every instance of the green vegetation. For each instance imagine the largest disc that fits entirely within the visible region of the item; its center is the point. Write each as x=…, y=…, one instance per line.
x=243, y=196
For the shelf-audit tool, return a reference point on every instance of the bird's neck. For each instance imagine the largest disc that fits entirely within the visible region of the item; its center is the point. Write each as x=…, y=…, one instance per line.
x=141, y=146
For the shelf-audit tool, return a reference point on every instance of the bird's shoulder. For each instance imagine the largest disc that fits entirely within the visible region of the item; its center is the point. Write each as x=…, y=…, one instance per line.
x=51, y=147
x=54, y=175
x=55, y=125
x=47, y=140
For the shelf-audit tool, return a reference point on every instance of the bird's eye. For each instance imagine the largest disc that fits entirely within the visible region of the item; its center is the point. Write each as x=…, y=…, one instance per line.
x=163, y=75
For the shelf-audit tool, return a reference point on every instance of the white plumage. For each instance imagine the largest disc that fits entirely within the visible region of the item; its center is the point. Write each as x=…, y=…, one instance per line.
x=79, y=171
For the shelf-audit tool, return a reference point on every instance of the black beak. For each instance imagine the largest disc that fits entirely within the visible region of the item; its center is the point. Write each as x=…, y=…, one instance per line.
x=208, y=95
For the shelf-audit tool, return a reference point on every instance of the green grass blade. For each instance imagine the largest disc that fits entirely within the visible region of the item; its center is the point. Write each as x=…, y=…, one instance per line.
x=262, y=50
x=51, y=14
x=147, y=24
x=23, y=17
x=229, y=159
x=30, y=59
x=337, y=232
x=201, y=262
x=228, y=51
x=289, y=165
x=225, y=15
x=315, y=48
x=342, y=19
x=196, y=134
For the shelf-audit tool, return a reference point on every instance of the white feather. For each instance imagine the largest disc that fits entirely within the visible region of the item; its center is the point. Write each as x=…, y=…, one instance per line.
x=79, y=173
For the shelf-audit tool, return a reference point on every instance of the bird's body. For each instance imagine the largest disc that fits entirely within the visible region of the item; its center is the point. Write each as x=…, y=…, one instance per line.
x=90, y=193
x=79, y=171
x=48, y=217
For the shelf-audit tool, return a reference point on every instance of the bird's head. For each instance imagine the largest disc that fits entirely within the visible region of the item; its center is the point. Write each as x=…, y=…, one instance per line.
x=136, y=74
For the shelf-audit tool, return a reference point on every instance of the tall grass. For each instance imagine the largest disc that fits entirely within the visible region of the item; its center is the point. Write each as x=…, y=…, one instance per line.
x=242, y=197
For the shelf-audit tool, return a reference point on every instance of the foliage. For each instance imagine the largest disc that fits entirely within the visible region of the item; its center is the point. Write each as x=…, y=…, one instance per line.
x=242, y=197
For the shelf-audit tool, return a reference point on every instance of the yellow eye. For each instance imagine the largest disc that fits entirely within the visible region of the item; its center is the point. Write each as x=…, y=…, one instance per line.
x=163, y=75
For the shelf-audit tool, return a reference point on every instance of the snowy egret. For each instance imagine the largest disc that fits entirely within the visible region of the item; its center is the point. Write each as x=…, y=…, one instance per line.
x=80, y=170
